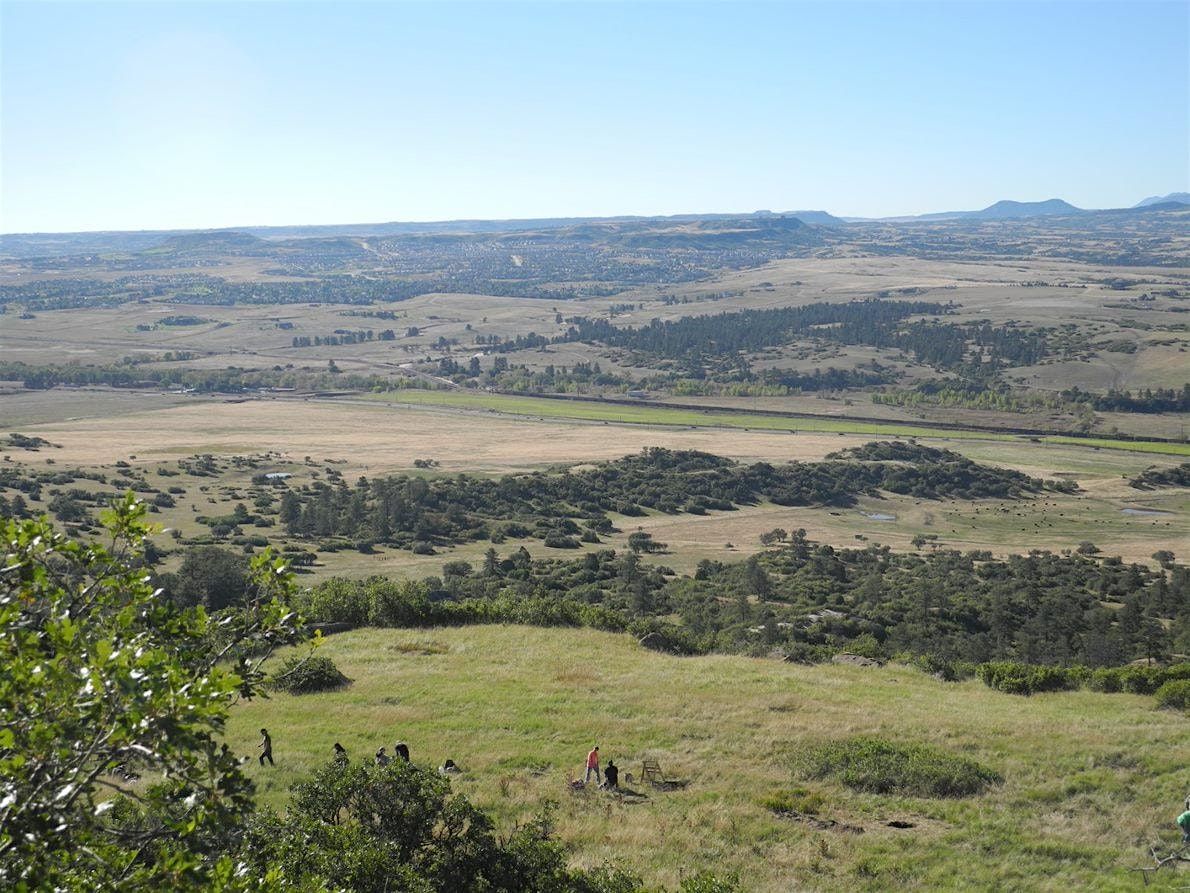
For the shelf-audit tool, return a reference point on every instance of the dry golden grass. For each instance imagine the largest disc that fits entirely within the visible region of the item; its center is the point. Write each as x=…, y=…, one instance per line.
x=374, y=438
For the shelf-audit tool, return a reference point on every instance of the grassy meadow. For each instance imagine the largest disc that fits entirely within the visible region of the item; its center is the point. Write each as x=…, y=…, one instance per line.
x=1090, y=780
x=656, y=414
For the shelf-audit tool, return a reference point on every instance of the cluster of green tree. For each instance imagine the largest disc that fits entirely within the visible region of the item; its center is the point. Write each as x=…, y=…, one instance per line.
x=373, y=314
x=1177, y=476
x=170, y=356
x=809, y=601
x=735, y=379
x=68, y=293
x=332, y=289
x=403, y=511
x=969, y=394
x=344, y=337
x=829, y=379
x=25, y=441
x=28, y=482
x=977, y=348
x=745, y=330
x=228, y=380
x=503, y=376
x=105, y=683
x=1026, y=679
x=1148, y=400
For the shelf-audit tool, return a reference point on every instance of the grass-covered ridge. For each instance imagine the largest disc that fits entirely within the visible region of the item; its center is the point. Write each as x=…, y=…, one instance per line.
x=1089, y=780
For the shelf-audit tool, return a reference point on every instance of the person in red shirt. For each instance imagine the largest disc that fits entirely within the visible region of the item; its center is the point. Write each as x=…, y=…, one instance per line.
x=592, y=764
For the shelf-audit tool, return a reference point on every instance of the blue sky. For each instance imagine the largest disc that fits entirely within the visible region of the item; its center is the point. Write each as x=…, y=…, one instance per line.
x=155, y=115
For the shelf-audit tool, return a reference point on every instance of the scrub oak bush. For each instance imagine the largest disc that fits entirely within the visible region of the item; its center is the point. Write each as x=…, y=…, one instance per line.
x=1174, y=695
x=879, y=766
x=1026, y=679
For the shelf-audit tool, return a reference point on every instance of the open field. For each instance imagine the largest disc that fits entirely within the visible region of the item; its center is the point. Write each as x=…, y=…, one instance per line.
x=1090, y=779
x=655, y=414
x=377, y=436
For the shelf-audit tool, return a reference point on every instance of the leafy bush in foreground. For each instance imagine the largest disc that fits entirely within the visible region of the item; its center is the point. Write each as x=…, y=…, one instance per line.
x=378, y=829
x=874, y=764
x=303, y=675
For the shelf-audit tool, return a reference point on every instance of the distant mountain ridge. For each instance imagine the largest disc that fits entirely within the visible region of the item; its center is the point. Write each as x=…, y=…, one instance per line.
x=1005, y=209
x=818, y=218
x=1181, y=198
x=768, y=225
x=1048, y=208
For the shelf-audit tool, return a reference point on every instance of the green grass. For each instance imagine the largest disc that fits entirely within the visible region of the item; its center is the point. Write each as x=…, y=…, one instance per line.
x=1090, y=780
x=647, y=414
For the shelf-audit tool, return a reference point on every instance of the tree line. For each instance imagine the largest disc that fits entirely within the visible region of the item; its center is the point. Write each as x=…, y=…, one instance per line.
x=402, y=510
x=807, y=601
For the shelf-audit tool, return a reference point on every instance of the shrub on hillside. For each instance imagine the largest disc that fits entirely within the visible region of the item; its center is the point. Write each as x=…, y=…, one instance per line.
x=1174, y=695
x=337, y=601
x=1027, y=679
x=300, y=676
x=1137, y=680
x=880, y=766
x=941, y=668
x=805, y=653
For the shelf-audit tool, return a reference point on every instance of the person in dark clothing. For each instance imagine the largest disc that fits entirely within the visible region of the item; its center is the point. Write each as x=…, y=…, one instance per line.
x=402, y=750
x=266, y=747
x=611, y=776
x=340, y=754
x=382, y=758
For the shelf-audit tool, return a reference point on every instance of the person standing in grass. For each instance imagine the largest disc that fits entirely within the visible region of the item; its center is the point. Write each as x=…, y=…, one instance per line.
x=402, y=750
x=1184, y=823
x=266, y=747
x=592, y=764
x=340, y=754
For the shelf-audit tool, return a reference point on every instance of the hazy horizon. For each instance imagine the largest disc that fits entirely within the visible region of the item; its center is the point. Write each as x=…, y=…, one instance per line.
x=146, y=117
x=439, y=221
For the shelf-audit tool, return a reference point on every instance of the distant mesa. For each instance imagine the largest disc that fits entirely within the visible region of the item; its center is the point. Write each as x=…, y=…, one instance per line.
x=1003, y=209
x=219, y=240
x=817, y=218
x=1174, y=198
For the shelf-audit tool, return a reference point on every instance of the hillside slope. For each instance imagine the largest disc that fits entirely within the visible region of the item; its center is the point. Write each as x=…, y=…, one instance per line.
x=1090, y=779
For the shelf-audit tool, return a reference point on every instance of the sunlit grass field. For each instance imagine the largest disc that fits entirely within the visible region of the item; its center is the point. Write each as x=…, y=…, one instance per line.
x=1090, y=779
x=652, y=414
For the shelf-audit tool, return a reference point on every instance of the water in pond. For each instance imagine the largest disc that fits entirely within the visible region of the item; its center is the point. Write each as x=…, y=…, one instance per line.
x=1147, y=512
x=878, y=516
